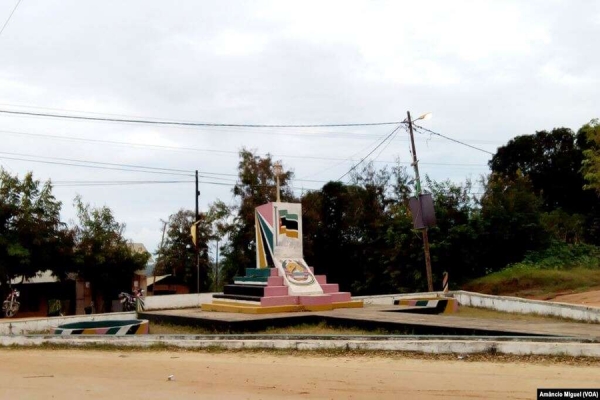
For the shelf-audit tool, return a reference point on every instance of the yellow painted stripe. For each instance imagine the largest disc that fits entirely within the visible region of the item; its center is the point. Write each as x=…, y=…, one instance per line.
x=292, y=234
x=234, y=303
x=348, y=304
x=318, y=307
x=451, y=307
x=262, y=257
x=249, y=310
x=91, y=331
x=142, y=329
x=231, y=306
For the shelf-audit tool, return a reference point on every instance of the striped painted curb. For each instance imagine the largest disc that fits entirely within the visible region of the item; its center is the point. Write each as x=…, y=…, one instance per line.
x=439, y=305
x=127, y=327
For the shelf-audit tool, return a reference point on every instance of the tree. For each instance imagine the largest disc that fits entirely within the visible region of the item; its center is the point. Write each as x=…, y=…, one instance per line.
x=591, y=164
x=32, y=236
x=347, y=228
x=511, y=221
x=103, y=256
x=218, y=217
x=552, y=162
x=454, y=239
x=178, y=255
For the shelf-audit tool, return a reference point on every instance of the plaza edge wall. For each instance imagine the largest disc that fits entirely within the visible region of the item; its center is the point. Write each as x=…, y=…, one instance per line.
x=173, y=301
x=499, y=303
x=526, y=306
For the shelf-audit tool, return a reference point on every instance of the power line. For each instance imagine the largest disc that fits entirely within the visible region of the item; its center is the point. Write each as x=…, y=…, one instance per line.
x=92, y=166
x=140, y=168
x=128, y=183
x=386, y=146
x=371, y=152
x=9, y=17
x=341, y=160
x=112, y=183
x=126, y=167
x=220, y=128
x=417, y=127
x=216, y=151
x=181, y=123
x=97, y=162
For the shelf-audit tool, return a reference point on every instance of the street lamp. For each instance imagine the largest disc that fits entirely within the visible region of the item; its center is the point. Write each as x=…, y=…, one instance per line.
x=277, y=169
x=424, y=117
x=415, y=164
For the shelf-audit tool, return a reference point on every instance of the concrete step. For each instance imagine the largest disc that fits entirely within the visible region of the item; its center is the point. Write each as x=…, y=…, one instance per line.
x=321, y=279
x=276, y=291
x=278, y=301
x=237, y=297
x=260, y=280
x=341, y=297
x=258, y=272
x=275, y=281
x=245, y=290
x=330, y=287
x=315, y=299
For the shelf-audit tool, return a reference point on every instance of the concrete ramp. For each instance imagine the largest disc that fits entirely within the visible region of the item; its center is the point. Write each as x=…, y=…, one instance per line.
x=297, y=276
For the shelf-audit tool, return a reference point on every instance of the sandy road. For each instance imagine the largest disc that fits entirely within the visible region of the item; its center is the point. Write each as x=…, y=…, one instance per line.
x=590, y=298
x=63, y=374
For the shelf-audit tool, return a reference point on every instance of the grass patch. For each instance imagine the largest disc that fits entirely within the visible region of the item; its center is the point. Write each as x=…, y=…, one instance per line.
x=484, y=313
x=544, y=274
x=321, y=328
x=171, y=329
x=534, y=282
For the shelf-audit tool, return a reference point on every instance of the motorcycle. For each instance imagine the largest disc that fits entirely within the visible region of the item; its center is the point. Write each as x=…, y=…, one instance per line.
x=10, y=307
x=132, y=302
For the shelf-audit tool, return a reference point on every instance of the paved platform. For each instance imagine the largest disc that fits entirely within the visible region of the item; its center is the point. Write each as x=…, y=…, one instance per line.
x=373, y=317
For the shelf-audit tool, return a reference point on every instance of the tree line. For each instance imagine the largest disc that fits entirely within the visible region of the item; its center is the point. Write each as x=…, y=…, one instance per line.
x=542, y=192
x=33, y=238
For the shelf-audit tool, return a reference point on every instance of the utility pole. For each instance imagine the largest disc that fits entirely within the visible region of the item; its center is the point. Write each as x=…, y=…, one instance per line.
x=197, y=195
x=415, y=164
x=217, y=268
x=278, y=170
x=162, y=242
x=197, y=218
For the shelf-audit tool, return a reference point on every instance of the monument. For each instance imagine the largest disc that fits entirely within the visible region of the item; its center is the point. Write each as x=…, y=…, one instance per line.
x=281, y=281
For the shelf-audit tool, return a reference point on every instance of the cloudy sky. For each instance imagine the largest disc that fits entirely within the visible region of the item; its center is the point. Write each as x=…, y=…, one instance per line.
x=487, y=70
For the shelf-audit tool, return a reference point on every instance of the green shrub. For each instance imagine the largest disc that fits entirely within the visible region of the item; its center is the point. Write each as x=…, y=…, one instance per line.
x=561, y=256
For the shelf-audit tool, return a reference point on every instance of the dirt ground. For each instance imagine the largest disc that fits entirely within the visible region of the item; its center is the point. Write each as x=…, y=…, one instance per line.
x=77, y=374
x=591, y=298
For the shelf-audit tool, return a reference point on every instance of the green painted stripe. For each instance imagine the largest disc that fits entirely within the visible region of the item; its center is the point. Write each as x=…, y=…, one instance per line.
x=422, y=302
x=251, y=278
x=268, y=234
x=291, y=217
x=254, y=272
x=112, y=331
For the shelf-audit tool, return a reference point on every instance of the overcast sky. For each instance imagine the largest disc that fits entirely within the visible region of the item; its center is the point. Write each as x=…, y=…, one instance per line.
x=487, y=70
